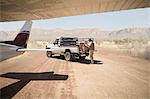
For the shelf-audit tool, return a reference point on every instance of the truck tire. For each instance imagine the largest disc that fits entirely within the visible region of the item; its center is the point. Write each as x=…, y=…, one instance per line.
x=49, y=54
x=82, y=57
x=68, y=56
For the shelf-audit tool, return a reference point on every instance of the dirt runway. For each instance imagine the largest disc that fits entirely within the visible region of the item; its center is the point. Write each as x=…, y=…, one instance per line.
x=113, y=76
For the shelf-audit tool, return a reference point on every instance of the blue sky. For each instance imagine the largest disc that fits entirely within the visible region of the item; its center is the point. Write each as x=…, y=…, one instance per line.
x=105, y=21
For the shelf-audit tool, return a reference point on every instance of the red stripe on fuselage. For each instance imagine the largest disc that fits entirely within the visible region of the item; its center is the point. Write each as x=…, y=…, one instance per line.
x=21, y=39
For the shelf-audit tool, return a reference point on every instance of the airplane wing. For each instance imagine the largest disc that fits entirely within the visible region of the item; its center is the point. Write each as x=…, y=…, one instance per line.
x=20, y=10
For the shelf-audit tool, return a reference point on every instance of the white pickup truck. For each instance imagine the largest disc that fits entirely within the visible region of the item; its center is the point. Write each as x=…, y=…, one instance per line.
x=69, y=47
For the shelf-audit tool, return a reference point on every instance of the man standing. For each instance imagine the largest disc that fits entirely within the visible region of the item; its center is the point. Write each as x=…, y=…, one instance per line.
x=91, y=50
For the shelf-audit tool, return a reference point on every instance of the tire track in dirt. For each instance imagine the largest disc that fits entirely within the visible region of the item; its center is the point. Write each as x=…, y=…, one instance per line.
x=68, y=86
x=52, y=85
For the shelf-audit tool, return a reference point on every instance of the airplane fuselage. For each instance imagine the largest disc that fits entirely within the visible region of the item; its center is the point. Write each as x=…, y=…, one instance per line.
x=8, y=51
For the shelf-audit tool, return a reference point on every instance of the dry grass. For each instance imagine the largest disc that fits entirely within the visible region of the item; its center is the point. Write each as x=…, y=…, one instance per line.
x=38, y=44
x=134, y=48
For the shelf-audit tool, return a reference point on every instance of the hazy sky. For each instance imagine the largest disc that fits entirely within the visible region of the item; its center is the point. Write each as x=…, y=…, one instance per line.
x=105, y=21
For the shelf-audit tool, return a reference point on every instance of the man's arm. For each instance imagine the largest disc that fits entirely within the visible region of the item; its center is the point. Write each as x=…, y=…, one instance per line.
x=88, y=44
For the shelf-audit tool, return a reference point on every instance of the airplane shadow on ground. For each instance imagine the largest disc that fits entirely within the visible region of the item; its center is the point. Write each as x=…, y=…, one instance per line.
x=10, y=90
x=86, y=61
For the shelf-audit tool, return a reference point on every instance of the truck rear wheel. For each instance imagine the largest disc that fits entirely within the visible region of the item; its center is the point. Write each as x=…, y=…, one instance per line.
x=49, y=54
x=68, y=56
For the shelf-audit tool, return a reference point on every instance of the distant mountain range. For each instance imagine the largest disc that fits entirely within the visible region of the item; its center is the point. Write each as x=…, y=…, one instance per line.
x=43, y=34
